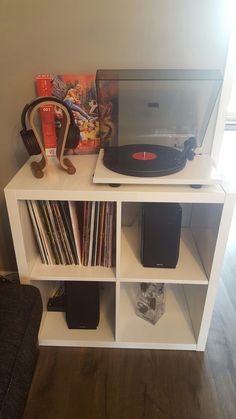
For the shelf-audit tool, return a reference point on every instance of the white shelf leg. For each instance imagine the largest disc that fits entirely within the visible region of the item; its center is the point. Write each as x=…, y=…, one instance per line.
x=221, y=243
x=16, y=229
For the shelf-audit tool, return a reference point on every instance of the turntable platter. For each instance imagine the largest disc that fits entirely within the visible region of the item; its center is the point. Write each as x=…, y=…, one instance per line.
x=143, y=160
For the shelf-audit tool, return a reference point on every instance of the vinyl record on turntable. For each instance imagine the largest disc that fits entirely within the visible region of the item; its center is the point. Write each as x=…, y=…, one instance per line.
x=143, y=160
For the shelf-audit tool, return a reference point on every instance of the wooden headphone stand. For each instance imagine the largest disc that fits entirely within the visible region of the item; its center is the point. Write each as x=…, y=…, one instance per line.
x=38, y=167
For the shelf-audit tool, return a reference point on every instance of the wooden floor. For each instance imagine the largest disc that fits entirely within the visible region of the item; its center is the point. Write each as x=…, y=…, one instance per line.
x=74, y=383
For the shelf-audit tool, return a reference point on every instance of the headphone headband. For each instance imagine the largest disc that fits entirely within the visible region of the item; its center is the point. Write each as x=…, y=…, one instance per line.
x=45, y=99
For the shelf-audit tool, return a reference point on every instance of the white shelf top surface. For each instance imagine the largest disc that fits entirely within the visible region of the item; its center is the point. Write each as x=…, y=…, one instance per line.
x=58, y=184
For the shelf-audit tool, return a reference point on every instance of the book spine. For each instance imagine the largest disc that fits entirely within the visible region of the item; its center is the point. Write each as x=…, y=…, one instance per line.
x=61, y=233
x=66, y=219
x=43, y=234
x=75, y=229
x=84, y=232
x=87, y=232
x=43, y=85
x=91, y=233
x=55, y=232
x=110, y=232
x=36, y=231
x=113, y=261
x=101, y=233
x=42, y=206
x=95, y=233
x=106, y=227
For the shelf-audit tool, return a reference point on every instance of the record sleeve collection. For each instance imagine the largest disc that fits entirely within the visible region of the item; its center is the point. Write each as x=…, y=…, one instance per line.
x=74, y=233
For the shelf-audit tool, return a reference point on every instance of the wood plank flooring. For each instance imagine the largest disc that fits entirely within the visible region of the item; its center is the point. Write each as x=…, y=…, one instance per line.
x=80, y=383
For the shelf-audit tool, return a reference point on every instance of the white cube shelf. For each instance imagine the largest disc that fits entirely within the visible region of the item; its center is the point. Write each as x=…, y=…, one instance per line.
x=190, y=287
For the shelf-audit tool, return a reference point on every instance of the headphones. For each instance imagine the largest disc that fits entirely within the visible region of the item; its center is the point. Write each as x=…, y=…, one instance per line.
x=28, y=136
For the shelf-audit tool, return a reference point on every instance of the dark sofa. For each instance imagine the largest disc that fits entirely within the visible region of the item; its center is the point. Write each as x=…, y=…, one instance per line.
x=20, y=316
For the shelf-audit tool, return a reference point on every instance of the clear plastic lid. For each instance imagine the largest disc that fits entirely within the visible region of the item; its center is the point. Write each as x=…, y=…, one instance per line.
x=163, y=107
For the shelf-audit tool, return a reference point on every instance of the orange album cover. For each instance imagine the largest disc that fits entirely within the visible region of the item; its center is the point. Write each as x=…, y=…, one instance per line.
x=79, y=94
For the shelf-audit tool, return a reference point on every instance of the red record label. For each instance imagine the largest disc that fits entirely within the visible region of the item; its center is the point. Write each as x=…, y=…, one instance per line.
x=144, y=155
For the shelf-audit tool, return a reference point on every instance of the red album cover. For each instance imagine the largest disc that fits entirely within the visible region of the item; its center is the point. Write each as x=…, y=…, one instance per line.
x=107, y=94
x=79, y=93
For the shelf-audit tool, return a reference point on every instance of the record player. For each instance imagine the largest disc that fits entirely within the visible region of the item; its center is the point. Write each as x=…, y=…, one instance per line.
x=153, y=124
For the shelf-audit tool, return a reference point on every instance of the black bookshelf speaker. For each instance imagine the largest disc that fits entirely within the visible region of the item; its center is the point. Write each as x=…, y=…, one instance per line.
x=160, y=234
x=82, y=304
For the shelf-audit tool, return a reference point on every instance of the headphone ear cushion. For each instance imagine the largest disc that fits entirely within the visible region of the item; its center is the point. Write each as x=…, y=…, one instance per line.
x=73, y=137
x=30, y=142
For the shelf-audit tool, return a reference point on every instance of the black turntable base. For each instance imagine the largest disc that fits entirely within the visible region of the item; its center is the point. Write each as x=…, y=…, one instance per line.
x=144, y=160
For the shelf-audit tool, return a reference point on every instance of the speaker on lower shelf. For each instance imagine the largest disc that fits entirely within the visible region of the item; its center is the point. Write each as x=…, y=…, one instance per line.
x=82, y=304
x=160, y=234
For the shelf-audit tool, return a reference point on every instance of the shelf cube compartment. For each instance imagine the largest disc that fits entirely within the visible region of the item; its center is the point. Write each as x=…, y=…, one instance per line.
x=199, y=232
x=54, y=330
x=178, y=327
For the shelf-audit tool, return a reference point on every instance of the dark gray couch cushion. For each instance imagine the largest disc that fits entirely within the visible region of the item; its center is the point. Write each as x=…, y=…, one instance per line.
x=20, y=316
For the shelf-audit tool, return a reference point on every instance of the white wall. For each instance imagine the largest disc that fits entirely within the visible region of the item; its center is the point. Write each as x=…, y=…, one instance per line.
x=80, y=36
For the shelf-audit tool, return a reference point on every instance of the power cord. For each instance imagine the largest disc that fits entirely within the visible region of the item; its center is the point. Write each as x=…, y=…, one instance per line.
x=57, y=301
